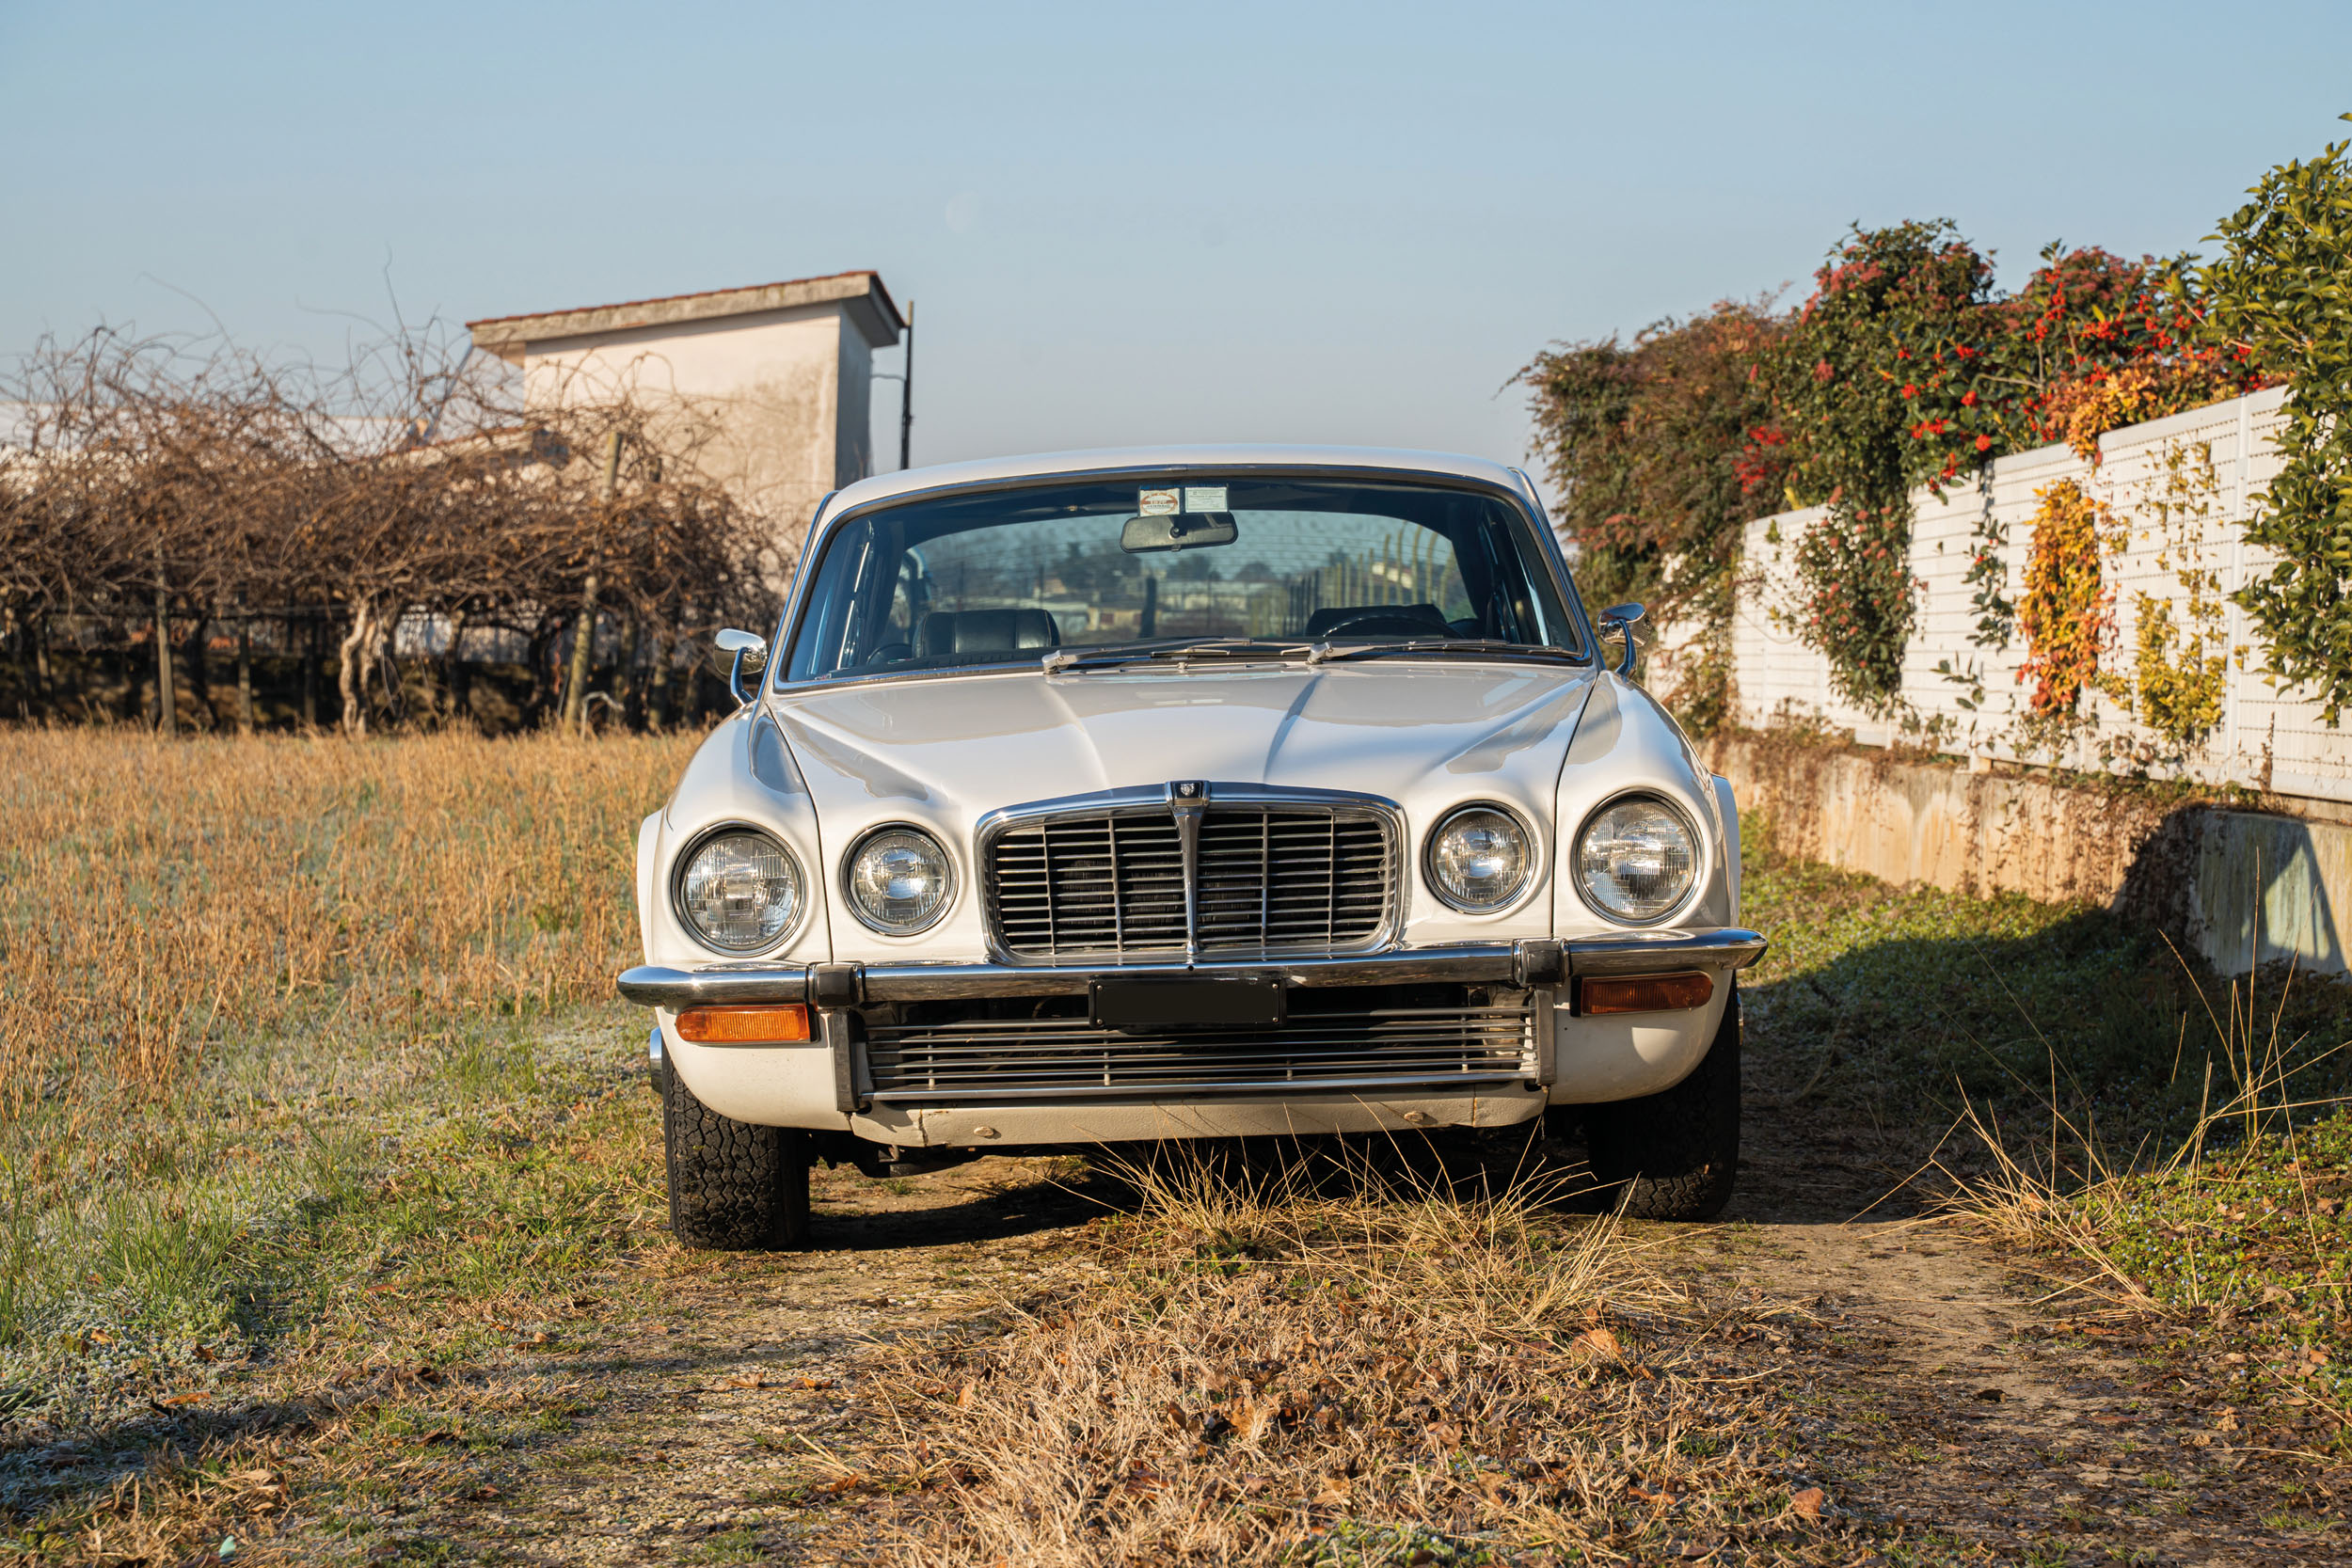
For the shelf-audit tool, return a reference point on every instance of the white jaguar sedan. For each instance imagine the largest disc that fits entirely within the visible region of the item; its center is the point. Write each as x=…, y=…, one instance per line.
x=1183, y=793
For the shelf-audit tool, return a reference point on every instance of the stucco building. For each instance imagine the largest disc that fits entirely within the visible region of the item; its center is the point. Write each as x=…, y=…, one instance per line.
x=777, y=377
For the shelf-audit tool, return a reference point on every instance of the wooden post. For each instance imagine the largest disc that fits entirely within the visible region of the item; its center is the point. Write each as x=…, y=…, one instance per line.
x=657, y=682
x=454, y=689
x=310, y=671
x=584, y=635
x=244, y=676
x=167, y=701
x=625, y=678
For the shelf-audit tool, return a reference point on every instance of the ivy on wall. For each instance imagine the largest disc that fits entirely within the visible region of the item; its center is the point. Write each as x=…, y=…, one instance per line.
x=2066, y=612
x=2180, y=668
x=1906, y=367
x=2281, y=294
x=1880, y=376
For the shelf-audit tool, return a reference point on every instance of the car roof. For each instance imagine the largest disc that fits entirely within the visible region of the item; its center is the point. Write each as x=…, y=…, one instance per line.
x=1230, y=455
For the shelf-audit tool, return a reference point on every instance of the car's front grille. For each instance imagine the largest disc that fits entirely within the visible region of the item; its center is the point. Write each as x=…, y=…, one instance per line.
x=1102, y=883
x=1364, y=1048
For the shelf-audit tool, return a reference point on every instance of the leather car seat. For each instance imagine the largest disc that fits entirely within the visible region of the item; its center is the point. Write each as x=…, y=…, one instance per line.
x=944, y=634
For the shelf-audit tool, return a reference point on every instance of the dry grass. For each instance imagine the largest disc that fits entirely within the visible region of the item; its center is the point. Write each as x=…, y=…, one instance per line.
x=2231, y=1240
x=1273, y=1370
x=314, y=1106
x=156, y=897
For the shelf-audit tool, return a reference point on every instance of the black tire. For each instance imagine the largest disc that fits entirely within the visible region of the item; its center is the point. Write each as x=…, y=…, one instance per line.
x=1674, y=1155
x=734, y=1186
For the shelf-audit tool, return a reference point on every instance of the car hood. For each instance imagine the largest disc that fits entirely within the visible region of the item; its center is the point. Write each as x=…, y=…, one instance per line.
x=959, y=747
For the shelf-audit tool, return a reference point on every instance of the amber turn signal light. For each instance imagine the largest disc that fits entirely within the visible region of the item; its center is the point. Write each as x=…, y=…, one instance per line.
x=1646, y=993
x=743, y=1025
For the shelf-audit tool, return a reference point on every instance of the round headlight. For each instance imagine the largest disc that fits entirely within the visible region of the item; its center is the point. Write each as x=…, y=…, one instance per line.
x=898, y=880
x=1479, y=859
x=739, y=891
x=1634, y=859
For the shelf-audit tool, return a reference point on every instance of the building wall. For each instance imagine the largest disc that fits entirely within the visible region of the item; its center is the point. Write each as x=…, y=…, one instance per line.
x=853, y=426
x=775, y=397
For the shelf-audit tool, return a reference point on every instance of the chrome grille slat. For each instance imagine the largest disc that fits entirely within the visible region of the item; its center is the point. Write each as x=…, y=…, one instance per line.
x=969, y=1059
x=1272, y=879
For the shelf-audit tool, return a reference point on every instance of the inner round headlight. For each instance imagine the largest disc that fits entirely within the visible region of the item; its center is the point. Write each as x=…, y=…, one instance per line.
x=1634, y=859
x=1479, y=859
x=740, y=891
x=899, y=880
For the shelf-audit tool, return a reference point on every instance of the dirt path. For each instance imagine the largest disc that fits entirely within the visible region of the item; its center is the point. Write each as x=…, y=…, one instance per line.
x=1948, y=1410
x=708, y=1436
x=1935, y=1419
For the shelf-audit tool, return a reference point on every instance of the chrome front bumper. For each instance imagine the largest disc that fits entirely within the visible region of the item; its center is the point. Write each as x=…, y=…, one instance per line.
x=1523, y=964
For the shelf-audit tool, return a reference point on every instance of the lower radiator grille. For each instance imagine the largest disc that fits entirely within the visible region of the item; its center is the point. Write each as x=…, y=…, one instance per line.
x=1032, y=1058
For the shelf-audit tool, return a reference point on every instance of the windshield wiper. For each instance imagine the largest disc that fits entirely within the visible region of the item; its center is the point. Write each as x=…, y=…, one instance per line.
x=1062, y=659
x=1206, y=648
x=1480, y=647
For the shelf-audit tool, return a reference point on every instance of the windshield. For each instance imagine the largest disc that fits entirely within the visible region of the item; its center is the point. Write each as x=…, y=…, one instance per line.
x=1098, y=565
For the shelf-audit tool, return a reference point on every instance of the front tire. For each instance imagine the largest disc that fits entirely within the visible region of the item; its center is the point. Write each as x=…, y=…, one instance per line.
x=1674, y=1155
x=734, y=1186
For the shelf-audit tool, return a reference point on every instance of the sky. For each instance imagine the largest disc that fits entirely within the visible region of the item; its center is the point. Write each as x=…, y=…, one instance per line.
x=1119, y=223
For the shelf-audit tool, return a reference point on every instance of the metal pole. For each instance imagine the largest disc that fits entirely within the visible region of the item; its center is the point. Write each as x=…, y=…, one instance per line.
x=906, y=396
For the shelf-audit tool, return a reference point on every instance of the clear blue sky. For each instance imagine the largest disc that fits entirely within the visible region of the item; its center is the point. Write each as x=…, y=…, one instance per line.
x=1208, y=221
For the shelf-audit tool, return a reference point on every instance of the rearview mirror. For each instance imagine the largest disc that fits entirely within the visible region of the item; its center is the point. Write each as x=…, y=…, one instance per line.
x=1177, y=530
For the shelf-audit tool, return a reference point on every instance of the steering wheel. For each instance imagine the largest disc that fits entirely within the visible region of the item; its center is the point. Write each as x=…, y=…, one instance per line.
x=1409, y=624
x=891, y=653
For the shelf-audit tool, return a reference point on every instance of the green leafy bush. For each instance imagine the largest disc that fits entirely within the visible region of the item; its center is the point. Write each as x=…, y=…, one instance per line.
x=1878, y=383
x=1661, y=451
x=2282, y=294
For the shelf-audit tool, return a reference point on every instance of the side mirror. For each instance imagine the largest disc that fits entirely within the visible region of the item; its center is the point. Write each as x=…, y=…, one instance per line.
x=742, y=644
x=1177, y=530
x=1619, y=618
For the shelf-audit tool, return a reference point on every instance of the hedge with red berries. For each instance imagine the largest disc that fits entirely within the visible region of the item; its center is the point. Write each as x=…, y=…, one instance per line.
x=1905, y=366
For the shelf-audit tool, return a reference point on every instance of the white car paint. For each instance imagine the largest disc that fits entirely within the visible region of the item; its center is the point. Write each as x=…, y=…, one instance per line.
x=820, y=762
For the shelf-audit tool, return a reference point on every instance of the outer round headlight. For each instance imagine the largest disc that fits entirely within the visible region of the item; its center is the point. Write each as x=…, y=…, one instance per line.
x=1635, y=858
x=739, y=891
x=898, y=880
x=1479, y=859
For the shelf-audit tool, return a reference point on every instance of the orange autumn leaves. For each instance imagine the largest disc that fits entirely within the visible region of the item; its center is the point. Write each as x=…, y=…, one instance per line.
x=2067, y=613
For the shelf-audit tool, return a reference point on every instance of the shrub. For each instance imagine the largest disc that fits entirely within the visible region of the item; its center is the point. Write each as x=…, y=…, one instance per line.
x=1660, y=452
x=2281, y=296
x=1878, y=387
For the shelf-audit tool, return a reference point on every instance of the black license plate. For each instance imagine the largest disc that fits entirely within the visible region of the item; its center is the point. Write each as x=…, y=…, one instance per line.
x=1188, y=1002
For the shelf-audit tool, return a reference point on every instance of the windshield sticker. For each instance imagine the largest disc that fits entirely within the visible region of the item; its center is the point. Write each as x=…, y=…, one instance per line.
x=1156, y=503
x=1204, y=498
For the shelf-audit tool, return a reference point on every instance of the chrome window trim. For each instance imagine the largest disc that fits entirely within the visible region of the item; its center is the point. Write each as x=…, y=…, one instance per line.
x=1157, y=799
x=1702, y=851
x=678, y=889
x=822, y=529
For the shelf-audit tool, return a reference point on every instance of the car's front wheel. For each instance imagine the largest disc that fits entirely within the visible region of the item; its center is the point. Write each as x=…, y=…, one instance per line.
x=1672, y=1155
x=733, y=1186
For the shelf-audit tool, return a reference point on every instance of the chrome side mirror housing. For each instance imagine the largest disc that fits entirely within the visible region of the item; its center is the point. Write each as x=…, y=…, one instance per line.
x=744, y=645
x=1619, y=618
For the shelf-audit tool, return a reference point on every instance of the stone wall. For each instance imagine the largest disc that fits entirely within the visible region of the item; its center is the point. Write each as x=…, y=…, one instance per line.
x=2240, y=886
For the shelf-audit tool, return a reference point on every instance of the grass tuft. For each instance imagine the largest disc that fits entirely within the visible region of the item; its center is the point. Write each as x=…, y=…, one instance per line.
x=1314, y=1365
